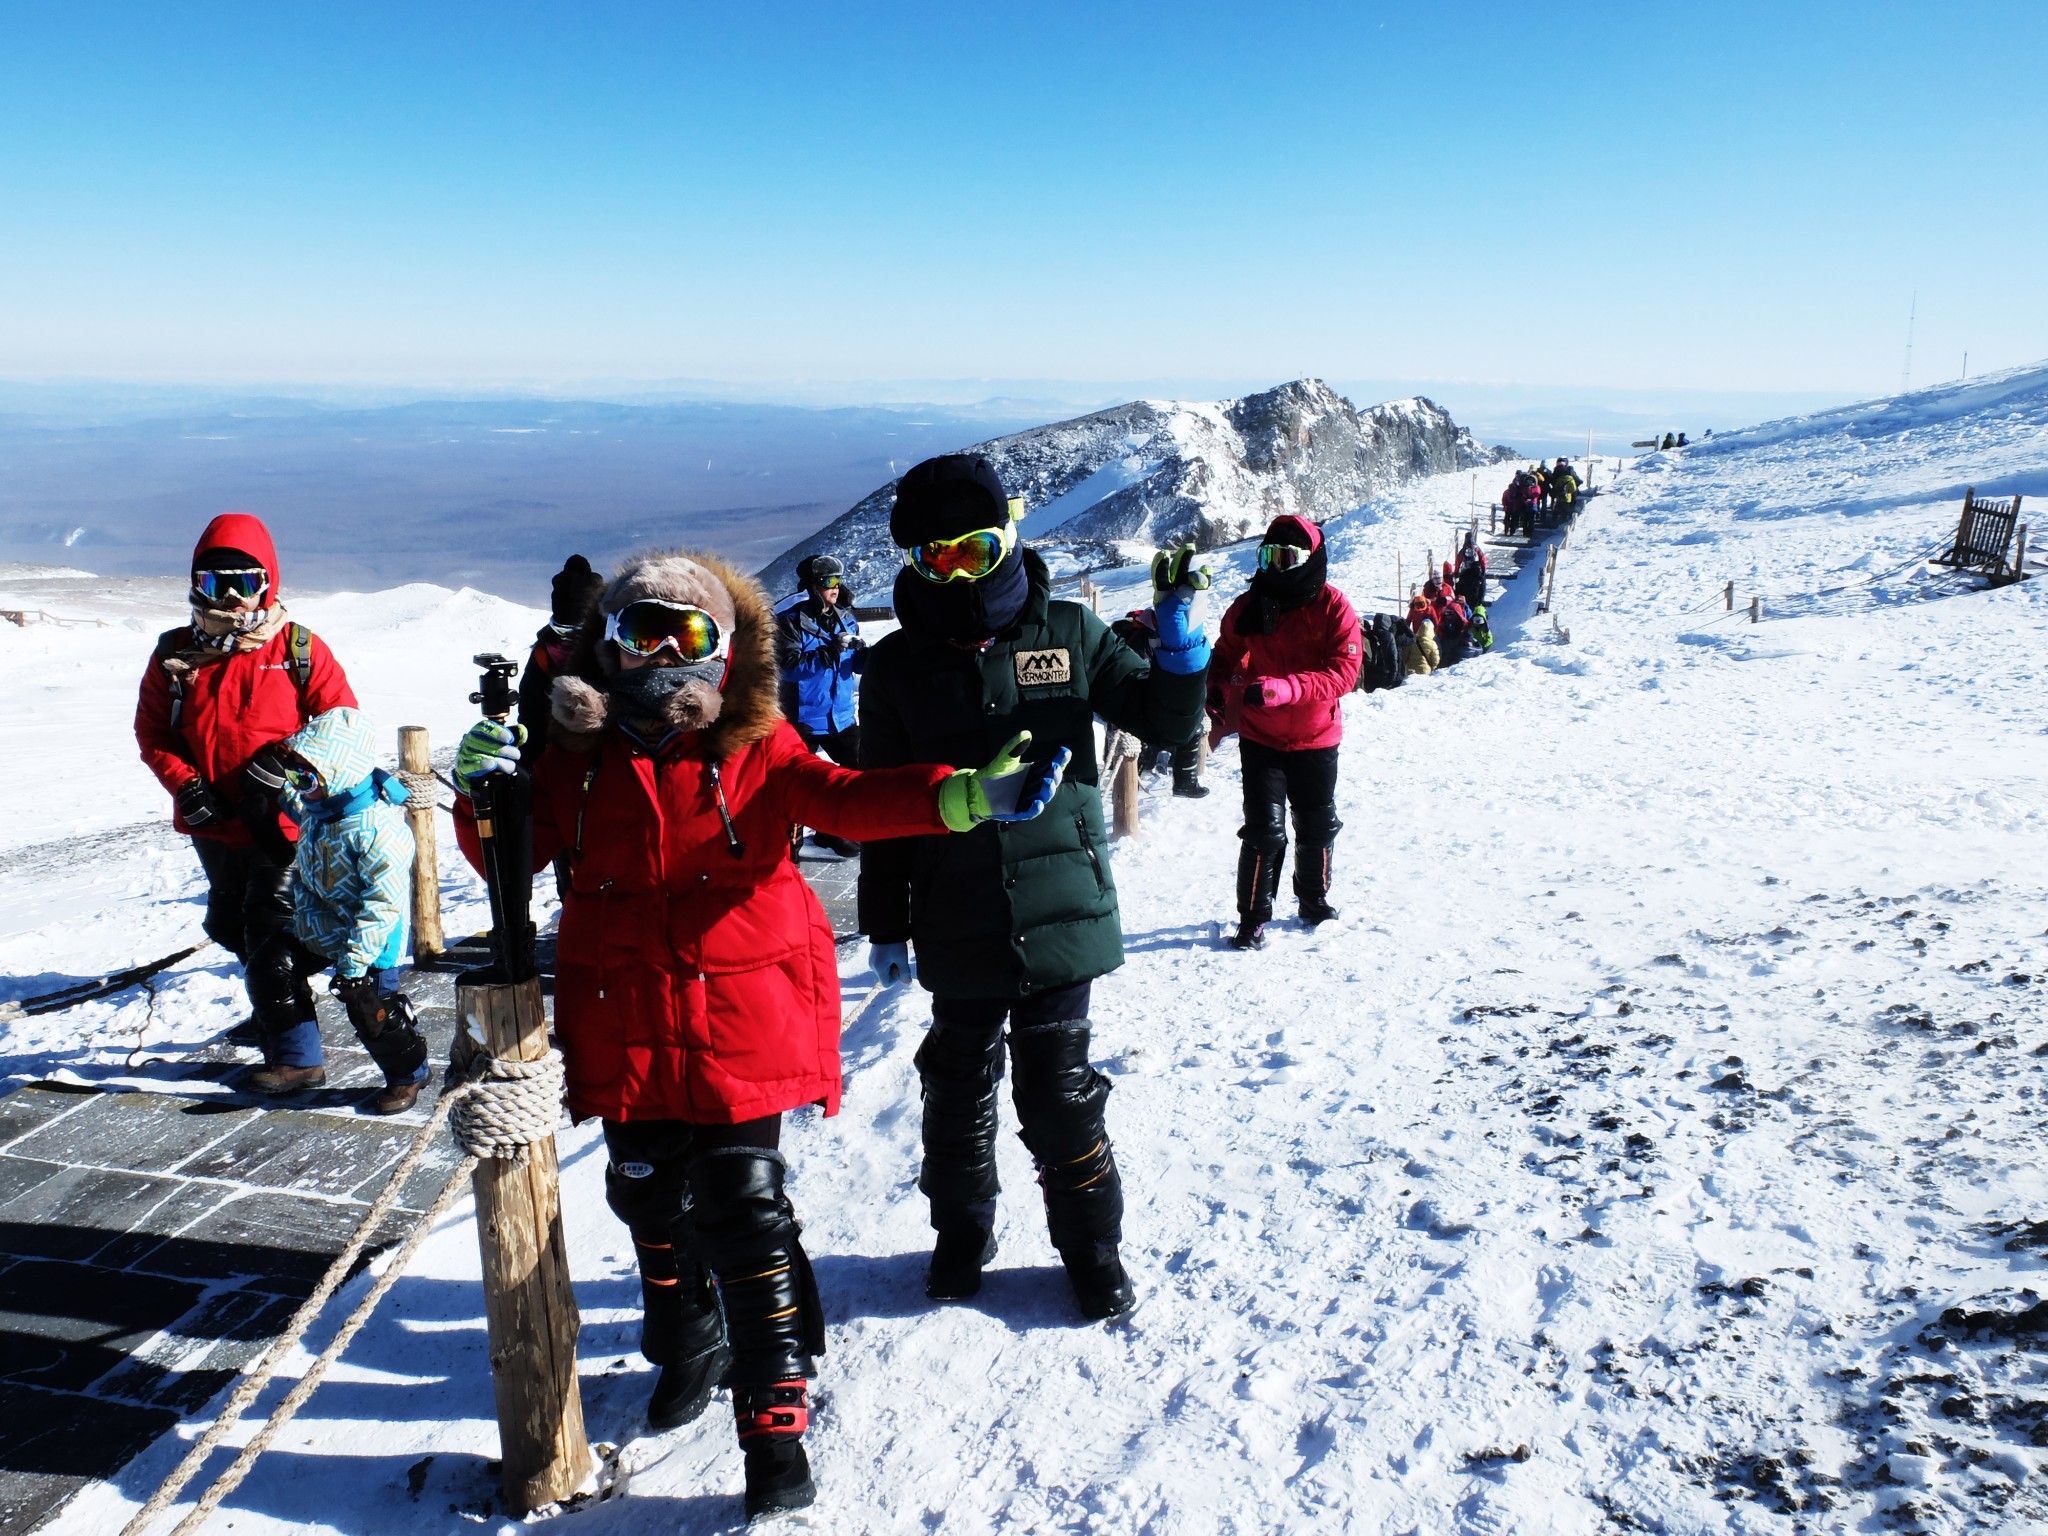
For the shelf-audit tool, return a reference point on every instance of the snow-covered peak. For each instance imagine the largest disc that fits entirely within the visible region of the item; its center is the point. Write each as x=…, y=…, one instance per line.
x=1109, y=485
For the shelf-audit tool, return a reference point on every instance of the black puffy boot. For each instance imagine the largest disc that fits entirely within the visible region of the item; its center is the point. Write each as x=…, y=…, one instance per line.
x=1315, y=830
x=1258, y=882
x=1060, y=1100
x=959, y=1067
x=682, y=1331
x=748, y=1234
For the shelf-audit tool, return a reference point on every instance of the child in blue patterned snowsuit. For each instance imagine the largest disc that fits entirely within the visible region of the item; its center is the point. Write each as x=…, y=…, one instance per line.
x=352, y=888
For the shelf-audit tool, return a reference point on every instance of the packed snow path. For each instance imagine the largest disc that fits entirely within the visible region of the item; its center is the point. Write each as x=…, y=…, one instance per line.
x=1654, y=1142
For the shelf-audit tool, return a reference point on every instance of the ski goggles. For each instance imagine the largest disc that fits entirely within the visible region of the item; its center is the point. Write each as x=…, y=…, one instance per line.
x=229, y=586
x=1281, y=557
x=650, y=626
x=967, y=558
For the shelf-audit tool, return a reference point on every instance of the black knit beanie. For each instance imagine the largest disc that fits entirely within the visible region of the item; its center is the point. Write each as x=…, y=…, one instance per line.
x=220, y=557
x=576, y=591
x=945, y=497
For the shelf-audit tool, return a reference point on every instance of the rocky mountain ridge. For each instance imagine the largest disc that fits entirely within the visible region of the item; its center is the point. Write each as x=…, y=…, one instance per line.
x=1109, y=487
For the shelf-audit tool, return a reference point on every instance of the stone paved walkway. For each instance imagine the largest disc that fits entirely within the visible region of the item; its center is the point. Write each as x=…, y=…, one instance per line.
x=152, y=1244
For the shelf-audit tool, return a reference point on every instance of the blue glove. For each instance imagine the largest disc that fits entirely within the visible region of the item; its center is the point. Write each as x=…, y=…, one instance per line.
x=1007, y=789
x=1183, y=646
x=489, y=746
x=890, y=963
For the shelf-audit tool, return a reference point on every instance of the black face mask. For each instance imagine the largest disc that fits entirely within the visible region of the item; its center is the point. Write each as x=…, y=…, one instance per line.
x=1276, y=592
x=967, y=612
x=645, y=691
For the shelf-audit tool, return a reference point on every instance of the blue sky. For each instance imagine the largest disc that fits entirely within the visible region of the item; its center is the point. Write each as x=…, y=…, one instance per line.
x=1701, y=197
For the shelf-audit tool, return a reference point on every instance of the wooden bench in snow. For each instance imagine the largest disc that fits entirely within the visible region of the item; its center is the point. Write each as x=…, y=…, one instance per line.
x=1984, y=536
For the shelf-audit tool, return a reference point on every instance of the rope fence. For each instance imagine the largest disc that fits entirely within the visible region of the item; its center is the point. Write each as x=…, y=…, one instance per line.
x=495, y=1108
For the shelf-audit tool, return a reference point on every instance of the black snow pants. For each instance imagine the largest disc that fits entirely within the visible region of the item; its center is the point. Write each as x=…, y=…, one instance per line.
x=705, y=1202
x=1059, y=1098
x=1274, y=781
x=249, y=914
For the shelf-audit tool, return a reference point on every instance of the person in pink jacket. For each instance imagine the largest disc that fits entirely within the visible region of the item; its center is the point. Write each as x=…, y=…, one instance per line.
x=1287, y=656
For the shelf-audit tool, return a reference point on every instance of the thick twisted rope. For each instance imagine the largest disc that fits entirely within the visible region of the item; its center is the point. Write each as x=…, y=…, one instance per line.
x=258, y=1378
x=496, y=1109
x=500, y=1107
x=423, y=790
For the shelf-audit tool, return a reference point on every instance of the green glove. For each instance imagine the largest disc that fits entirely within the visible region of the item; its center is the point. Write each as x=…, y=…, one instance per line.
x=1007, y=789
x=1176, y=568
x=489, y=746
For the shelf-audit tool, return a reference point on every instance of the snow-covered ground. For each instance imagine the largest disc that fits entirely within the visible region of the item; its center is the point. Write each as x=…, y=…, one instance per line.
x=1653, y=1144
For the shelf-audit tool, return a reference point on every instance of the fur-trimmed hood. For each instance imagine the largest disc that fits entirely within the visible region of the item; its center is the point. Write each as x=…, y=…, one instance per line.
x=743, y=710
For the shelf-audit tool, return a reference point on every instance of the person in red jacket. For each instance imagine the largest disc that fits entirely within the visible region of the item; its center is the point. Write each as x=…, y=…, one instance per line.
x=696, y=978
x=218, y=691
x=1287, y=656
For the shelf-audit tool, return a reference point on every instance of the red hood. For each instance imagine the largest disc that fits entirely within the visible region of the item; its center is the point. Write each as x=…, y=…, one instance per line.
x=241, y=530
x=1289, y=529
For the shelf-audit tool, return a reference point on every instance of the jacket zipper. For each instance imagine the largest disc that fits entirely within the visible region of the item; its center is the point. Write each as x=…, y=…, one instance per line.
x=1094, y=858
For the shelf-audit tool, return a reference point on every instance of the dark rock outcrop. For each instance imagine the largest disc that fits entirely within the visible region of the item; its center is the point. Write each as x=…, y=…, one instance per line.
x=1117, y=483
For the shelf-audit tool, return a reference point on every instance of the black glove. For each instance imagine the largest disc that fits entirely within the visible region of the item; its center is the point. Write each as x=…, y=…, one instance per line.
x=364, y=1000
x=265, y=771
x=1255, y=695
x=196, y=803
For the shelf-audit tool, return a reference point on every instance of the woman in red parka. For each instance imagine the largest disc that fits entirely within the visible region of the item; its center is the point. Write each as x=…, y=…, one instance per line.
x=1286, y=657
x=234, y=680
x=696, y=980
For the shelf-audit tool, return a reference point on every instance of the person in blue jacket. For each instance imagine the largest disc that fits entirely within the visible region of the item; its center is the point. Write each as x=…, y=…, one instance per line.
x=821, y=653
x=352, y=888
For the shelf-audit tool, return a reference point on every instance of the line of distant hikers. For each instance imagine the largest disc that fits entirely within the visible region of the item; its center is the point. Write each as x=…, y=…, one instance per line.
x=681, y=733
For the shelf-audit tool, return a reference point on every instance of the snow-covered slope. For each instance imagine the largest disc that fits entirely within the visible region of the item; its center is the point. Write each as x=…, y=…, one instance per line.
x=1166, y=472
x=1653, y=1144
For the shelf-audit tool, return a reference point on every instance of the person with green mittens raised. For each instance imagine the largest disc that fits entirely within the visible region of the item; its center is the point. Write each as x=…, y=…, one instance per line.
x=1010, y=923
x=696, y=980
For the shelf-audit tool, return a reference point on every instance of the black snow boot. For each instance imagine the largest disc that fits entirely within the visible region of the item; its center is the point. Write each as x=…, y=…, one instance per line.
x=1188, y=785
x=682, y=1332
x=1312, y=883
x=1101, y=1288
x=958, y=1258
x=1258, y=882
x=771, y=1423
x=694, y=1354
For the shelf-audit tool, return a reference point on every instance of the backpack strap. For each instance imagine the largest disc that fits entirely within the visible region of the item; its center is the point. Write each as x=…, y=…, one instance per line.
x=298, y=641
x=168, y=644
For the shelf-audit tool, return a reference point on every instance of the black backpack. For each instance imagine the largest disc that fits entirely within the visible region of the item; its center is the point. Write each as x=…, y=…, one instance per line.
x=1384, y=667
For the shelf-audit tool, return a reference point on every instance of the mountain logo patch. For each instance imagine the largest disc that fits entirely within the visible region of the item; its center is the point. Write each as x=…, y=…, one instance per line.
x=1037, y=669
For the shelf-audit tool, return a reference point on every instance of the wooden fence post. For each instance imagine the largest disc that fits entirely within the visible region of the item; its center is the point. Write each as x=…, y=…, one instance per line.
x=529, y=1310
x=1123, y=799
x=428, y=942
x=1728, y=596
x=1756, y=609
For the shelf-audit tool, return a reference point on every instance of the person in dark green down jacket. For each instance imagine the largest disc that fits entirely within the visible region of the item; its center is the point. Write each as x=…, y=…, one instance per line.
x=1010, y=922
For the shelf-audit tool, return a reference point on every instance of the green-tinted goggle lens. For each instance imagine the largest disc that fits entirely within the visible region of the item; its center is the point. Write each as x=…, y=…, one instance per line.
x=224, y=586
